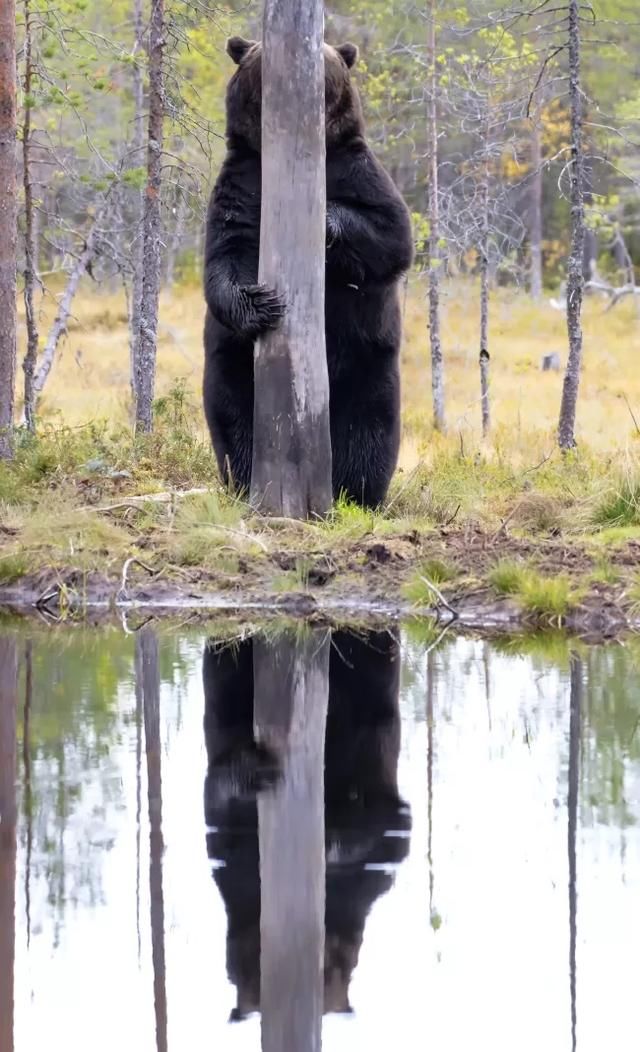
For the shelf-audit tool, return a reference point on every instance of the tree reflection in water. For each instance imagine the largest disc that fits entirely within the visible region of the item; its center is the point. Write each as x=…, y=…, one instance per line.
x=272, y=750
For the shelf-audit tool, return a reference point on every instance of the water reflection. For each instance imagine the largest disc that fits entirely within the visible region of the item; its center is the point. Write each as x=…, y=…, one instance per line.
x=8, y=817
x=518, y=896
x=266, y=740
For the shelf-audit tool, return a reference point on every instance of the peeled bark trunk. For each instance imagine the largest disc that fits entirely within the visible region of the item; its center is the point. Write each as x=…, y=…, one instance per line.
x=291, y=439
x=291, y=693
x=147, y=332
x=30, y=248
x=147, y=663
x=535, y=213
x=575, y=280
x=8, y=223
x=8, y=821
x=437, y=367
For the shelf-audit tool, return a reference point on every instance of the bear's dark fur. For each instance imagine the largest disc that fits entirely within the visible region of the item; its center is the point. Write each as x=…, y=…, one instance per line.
x=362, y=803
x=369, y=248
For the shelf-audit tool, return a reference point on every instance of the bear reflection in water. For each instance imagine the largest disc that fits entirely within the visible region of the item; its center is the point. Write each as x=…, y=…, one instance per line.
x=366, y=822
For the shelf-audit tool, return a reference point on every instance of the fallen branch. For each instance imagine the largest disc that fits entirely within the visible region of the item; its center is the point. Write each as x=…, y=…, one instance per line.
x=439, y=596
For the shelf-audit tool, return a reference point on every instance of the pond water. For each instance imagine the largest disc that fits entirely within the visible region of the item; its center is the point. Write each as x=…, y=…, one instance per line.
x=176, y=873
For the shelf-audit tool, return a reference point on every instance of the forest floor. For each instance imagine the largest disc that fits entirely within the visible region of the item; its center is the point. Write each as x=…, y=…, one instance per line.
x=497, y=532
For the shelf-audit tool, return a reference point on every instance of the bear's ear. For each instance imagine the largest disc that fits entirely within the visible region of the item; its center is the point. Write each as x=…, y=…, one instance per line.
x=237, y=48
x=349, y=53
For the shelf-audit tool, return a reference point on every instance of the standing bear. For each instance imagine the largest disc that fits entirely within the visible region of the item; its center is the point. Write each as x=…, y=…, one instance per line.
x=369, y=247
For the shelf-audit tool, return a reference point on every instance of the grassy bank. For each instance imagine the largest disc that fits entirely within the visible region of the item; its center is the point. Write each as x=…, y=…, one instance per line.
x=505, y=521
x=545, y=536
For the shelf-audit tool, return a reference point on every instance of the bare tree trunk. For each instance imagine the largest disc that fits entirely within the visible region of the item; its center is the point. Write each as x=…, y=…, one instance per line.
x=575, y=723
x=138, y=146
x=575, y=280
x=148, y=663
x=8, y=224
x=147, y=332
x=535, y=212
x=176, y=240
x=484, y=287
x=28, y=790
x=291, y=677
x=431, y=694
x=291, y=438
x=59, y=326
x=8, y=820
x=30, y=248
x=437, y=367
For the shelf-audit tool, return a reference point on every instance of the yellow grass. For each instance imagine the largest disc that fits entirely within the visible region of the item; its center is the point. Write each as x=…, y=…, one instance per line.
x=90, y=377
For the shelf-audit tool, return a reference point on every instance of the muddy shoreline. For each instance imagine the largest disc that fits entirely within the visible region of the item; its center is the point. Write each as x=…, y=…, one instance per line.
x=95, y=598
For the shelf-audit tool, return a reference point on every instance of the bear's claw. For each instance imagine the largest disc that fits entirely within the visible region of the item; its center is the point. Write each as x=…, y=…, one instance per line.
x=259, y=309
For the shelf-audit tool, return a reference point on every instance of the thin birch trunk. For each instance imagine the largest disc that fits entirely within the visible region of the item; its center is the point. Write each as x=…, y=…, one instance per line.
x=147, y=331
x=8, y=822
x=575, y=279
x=575, y=723
x=484, y=288
x=30, y=245
x=176, y=241
x=28, y=789
x=137, y=254
x=291, y=472
x=535, y=212
x=147, y=662
x=8, y=224
x=437, y=367
x=59, y=327
x=291, y=677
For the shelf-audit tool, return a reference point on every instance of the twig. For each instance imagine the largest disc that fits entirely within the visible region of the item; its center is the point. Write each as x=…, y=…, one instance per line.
x=453, y=518
x=635, y=422
x=537, y=466
x=439, y=596
x=122, y=591
x=503, y=525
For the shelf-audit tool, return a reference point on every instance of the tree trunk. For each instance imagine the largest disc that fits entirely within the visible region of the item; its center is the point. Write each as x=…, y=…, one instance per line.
x=535, y=212
x=137, y=248
x=575, y=722
x=291, y=439
x=291, y=677
x=437, y=368
x=28, y=788
x=30, y=247
x=147, y=663
x=8, y=821
x=147, y=332
x=8, y=223
x=59, y=326
x=484, y=287
x=575, y=280
x=176, y=239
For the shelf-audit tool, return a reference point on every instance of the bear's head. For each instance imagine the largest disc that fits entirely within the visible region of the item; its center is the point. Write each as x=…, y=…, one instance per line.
x=343, y=113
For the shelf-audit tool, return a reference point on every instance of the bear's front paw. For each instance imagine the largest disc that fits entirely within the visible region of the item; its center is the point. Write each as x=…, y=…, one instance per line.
x=259, y=309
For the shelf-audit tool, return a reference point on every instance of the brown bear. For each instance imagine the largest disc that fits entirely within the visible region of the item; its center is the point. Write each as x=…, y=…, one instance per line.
x=369, y=248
